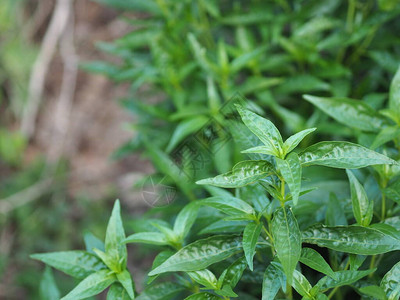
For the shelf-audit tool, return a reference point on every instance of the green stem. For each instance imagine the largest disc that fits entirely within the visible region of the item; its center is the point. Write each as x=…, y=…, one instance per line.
x=283, y=192
x=383, y=212
x=350, y=15
x=372, y=265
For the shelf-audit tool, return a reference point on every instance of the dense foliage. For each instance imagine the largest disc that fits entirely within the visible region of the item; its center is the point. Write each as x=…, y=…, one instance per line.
x=283, y=219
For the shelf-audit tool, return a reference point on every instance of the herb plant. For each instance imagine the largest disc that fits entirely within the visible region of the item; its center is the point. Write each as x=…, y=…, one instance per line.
x=314, y=215
x=274, y=234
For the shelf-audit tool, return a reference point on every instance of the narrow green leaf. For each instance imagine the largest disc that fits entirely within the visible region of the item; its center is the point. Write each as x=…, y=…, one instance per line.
x=391, y=282
x=387, y=134
x=117, y=292
x=125, y=279
x=204, y=277
x=343, y=155
x=91, y=242
x=158, y=260
x=290, y=169
x=343, y=278
x=224, y=226
x=161, y=291
x=301, y=284
x=262, y=128
x=268, y=150
x=200, y=254
x=78, y=264
x=271, y=282
x=287, y=240
x=243, y=173
x=314, y=260
x=373, y=291
x=185, y=219
x=250, y=237
x=394, y=93
x=362, y=206
x=351, y=239
x=153, y=238
x=230, y=205
x=184, y=129
x=48, y=289
x=349, y=112
x=232, y=275
x=295, y=139
x=108, y=260
x=92, y=285
x=115, y=236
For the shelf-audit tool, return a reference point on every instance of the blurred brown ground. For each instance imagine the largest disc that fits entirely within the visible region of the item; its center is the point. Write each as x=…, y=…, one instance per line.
x=95, y=127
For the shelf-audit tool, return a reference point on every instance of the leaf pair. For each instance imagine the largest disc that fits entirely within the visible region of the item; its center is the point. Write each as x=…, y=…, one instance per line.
x=266, y=131
x=173, y=237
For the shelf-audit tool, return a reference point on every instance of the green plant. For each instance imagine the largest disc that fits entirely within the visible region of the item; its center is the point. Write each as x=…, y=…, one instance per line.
x=277, y=232
x=192, y=56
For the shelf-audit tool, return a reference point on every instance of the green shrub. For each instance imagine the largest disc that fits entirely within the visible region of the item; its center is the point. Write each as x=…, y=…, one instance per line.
x=276, y=232
x=283, y=220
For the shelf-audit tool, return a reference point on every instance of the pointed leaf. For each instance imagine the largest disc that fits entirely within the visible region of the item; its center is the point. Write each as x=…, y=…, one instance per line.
x=200, y=254
x=287, y=240
x=351, y=239
x=362, y=207
x=353, y=113
x=301, y=284
x=126, y=281
x=385, y=135
x=391, y=282
x=108, y=260
x=117, y=292
x=343, y=155
x=314, y=260
x=92, y=285
x=250, y=237
x=373, y=291
x=271, y=282
x=185, y=219
x=290, y=169
x=224, y=226
x=115, y=236
x=243, y=173
x=394, y=93
x=48, y=289
x=91, y=242
x=268, y=150
x=295, y=139
x=153, y=238
x=204, y=277
x=184, y=129
x=343, y=278
x=78, y=264
x=262, y=128
x=230, y=205
x=232, y=275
